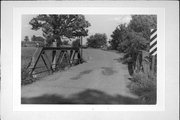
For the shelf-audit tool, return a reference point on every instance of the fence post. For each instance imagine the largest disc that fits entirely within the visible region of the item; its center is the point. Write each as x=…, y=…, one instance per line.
x=153, y=48
x=54, y=55
x=153, y=64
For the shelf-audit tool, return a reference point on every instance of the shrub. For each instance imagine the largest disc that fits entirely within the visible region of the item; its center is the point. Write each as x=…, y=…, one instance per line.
x=97, y=40
x=145, y=87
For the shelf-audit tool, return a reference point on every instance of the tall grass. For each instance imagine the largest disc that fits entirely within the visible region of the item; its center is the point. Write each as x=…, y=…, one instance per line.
x=145, y=87
x=26, y=55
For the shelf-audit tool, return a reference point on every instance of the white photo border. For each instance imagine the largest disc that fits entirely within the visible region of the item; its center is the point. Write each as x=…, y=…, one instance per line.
x=19, y=11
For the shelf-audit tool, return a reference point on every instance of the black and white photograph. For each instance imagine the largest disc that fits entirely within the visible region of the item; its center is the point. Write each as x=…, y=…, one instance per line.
x=91, y=60
x=88, y=59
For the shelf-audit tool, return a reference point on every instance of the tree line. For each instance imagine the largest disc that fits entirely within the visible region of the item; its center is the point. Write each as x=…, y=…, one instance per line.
x=132, y=37
x=126, y=38
x=59, y=27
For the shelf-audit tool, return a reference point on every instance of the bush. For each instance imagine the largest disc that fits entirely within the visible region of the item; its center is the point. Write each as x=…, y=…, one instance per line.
x=76, y=43
x=97, y=40
x=144, y=87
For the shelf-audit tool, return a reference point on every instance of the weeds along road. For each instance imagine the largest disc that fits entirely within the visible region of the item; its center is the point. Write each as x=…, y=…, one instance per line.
x=102, y=79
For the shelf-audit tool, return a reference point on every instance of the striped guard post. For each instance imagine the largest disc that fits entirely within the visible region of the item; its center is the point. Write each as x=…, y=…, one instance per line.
x=153, y=42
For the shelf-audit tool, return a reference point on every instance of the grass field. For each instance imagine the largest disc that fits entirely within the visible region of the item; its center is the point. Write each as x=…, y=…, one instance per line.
x=26, y=55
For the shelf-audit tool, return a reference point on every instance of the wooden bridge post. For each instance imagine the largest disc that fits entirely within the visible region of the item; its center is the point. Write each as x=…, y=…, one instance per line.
x=34, y=60
x=146, y=62
x=54, y=56
x=33, y=64
x=153, y=64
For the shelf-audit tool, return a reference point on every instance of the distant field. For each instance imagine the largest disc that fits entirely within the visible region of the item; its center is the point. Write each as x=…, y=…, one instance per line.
x=26, y=55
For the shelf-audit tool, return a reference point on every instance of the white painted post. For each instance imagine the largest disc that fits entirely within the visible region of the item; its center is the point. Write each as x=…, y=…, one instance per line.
x=153, y=48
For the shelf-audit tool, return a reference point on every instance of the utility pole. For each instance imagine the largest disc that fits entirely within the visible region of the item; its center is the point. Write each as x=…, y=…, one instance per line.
x=81, y=46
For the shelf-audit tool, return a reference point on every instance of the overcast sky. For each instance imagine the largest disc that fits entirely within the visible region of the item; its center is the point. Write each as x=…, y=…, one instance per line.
x=99, y=24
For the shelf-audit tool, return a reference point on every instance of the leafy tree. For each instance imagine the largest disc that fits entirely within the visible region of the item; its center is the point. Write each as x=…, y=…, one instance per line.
x=37, y=39
x=119, y=35
x=133, y=37
x=65, y=42
x=58, y=26
x=76, y=43
x=97, y=41
x=26, y=39
x=33, y=38
x=139, y=26
x=143, y=24
x=139, y=32
x=133, y=44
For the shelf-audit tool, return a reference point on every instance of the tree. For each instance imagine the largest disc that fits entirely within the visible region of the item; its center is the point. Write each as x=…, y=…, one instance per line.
x=37, y=39
x=58, y=26
x=40, y=41
x=143, y=24
x=139, y=34
x=65, y=42
x=139, y=27
x=133, y=37
x=97, y=41
x=118, y=36
x=26, y=39
x=33, y=38
x=76, y=43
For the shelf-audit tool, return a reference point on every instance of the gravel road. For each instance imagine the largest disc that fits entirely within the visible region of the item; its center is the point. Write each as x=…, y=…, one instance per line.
x=102, y=79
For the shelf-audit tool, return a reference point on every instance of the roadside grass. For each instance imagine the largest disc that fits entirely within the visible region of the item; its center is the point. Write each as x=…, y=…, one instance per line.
x=26, y=55
x=145, y=87
x=141, y=84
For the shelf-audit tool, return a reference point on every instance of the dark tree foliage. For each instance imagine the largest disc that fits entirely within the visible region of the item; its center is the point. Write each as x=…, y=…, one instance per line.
x=37, y=39
x=97, y=41
x=40, y=41
x=76, y=43
x=26, y=39
x=132, y=38
x=135, y=36
x=65, y=42
x=119, y=35
x=143, y=24
x=58, y=26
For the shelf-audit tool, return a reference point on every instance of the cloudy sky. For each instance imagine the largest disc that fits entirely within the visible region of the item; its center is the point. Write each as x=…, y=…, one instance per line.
x=99, y=24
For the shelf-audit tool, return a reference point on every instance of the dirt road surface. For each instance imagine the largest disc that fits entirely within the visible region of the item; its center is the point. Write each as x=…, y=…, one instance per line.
x=100, y=80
